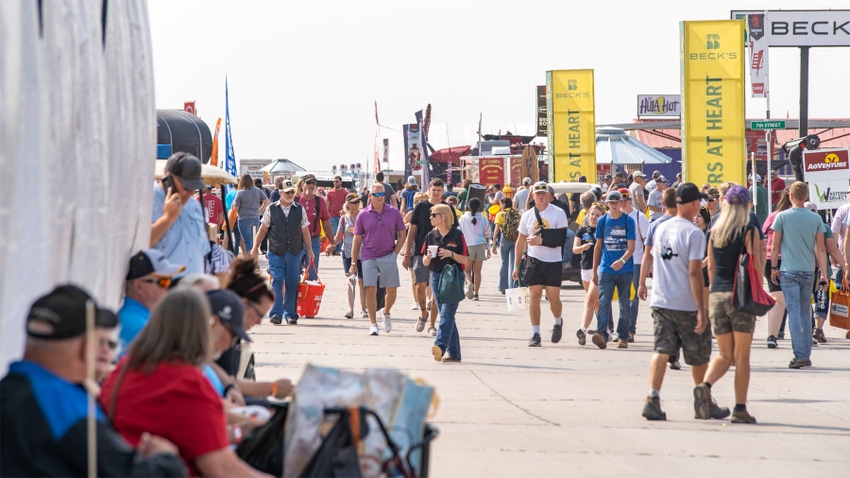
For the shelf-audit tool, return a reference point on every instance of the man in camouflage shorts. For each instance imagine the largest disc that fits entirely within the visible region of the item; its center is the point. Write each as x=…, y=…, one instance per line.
x=677, y=299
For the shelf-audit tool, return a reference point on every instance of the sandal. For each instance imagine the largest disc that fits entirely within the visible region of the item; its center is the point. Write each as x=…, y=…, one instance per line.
x=432, y=331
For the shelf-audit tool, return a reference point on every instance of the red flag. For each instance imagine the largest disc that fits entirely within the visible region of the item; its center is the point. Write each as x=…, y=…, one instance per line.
x=189, y=107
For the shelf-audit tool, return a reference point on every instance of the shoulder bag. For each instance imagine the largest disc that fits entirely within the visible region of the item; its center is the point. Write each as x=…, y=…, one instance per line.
x=748, y=294
x=450, y=287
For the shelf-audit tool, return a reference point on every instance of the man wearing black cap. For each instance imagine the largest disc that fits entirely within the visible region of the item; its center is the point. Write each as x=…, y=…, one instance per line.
x=678, y=310
x=43, y=404
x=179, y=225
x=229, y=311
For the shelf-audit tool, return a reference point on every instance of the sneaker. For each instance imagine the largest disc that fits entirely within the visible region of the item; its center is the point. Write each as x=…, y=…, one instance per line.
x=623, y=344
x=388, y=323
x=652, y=409
x=742, y=417
x=364, y=314
x=448, y=359
x=631, y=338
x=469, y=292
x=291, y=320
x=800, y=363
x=819, y=336
x=599, y=340
x=771, y=342
x=349, y=314
x=582, y=337
x=814, y=342
x=781, y=335
x=534, y=341
x=502, y=292
x=415, y=306
x=475, y=297
x=373, y=329
x=420, y=324
x=613, y=338
x=675, y=365
x=556, y=333
x=432, y=331
x=702, y=402
x=438, y=352
x=276, y=319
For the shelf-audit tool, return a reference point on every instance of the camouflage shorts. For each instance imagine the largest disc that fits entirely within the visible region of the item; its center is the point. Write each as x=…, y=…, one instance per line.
x=675, y=329
x=725, y=319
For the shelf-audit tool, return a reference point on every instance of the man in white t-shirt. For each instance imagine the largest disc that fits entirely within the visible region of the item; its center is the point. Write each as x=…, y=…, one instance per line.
x=543, y=265
x=641, y=230
x=654, y=202
x=636, y=191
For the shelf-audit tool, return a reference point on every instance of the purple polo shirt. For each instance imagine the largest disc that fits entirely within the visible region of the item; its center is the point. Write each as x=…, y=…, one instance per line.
x=379, y=231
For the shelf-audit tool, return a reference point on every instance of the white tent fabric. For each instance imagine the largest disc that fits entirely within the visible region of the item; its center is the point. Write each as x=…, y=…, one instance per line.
x=76, y=114
x=614, y=146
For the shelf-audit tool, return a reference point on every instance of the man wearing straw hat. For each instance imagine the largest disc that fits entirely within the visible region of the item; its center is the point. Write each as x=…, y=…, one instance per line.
x=43, y=404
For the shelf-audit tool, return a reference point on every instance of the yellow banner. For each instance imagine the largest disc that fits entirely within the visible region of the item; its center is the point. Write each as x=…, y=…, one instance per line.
x=713, y=102
x=572, y=125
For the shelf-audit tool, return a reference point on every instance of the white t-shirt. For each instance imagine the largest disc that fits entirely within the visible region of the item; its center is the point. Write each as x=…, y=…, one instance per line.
x=553, y=218
x=641, y=231
x=655, y=200
x=634, y=190
x=676, y=242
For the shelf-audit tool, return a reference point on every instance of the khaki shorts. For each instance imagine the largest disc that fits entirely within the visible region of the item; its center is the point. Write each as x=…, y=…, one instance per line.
x=725, y=319
x=477, y=253
x=675, y=329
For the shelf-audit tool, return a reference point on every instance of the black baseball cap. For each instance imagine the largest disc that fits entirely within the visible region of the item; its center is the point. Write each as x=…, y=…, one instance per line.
x=689, y=192
x=61, y=314
x=187, y=168
x=228, y=306
x=152, y=262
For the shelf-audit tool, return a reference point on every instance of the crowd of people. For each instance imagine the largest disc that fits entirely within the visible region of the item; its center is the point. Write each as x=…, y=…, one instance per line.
x=175, y=394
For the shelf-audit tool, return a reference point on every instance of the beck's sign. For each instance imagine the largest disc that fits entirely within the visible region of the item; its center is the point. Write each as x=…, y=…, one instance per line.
x=798, y=28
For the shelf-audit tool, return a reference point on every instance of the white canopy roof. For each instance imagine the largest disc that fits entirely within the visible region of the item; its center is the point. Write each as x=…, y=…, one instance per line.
x=614, y=146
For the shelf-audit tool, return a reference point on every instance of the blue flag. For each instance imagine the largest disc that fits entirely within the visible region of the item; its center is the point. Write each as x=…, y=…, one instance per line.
x=230, y=157
x=426, y=168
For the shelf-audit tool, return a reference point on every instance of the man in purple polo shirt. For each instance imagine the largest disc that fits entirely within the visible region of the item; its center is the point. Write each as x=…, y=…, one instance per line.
x=379, y=235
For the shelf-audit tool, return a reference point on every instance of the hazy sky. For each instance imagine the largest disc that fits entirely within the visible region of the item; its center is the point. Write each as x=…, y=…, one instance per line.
x=304, y=76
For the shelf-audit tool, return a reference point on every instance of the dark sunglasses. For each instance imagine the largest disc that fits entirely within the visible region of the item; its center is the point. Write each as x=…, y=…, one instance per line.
x=435, y=215
x=289, y=192
x=711, y=199
x=164, y=282
x=379, y=195
x=256, y=309
x=111, y=343
x=229, y=329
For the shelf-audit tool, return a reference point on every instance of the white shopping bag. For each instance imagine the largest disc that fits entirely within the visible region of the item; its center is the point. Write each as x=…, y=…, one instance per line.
x=517, y=299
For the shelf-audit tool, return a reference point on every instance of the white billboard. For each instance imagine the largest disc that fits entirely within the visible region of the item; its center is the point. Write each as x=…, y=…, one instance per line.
x=804, y=27
x=659, y=105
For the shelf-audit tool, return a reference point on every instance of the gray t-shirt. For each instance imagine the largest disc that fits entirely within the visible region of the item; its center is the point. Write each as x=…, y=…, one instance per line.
x=655, y=200
x=521, y=200
x=799, y=228
x=677, y=242
x=249, y=201
x=346, y=225
x=636, y=190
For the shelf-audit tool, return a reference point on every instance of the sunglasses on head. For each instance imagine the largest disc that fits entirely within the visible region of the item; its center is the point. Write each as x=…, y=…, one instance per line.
x=164, y=282
x=379, y=195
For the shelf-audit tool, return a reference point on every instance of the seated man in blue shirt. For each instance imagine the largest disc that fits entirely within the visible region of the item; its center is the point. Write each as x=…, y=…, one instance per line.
x=43, y=404
x=148, y=280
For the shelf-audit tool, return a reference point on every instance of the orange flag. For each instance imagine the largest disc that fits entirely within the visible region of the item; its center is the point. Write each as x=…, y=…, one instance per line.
x=214, y=155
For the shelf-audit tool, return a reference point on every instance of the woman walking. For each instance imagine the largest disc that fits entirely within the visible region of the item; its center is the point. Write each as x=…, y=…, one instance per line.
x=731, y=235
x=583, y=244
x=507, y=229
x=476, y=232
x=249, y=204
x=451, y=248
x=345, y=233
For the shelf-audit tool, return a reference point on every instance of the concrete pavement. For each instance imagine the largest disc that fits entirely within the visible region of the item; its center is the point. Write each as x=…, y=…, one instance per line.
x=567, y=410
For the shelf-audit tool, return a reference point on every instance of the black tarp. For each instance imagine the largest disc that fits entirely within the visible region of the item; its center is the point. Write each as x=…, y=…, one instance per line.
x=184, y=132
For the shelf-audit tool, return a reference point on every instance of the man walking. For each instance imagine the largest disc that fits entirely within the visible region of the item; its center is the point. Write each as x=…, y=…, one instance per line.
x=656, y=207
x=613, y=266
x=637, y=191
x=316, y=212
x=391, y=200
x=521, y=197
x=378, y=237
x=336, y=200
x=287, y=225
x=678, y=311
x=797, y=233
x=543, y=265
x=641, y=230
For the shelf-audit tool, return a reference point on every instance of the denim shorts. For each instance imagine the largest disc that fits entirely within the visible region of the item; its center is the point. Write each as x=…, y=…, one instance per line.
x=346, y=265
x=725, y=319
x=675, y=329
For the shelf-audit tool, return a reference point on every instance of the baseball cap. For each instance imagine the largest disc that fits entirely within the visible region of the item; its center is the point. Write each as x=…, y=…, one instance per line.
x=638, y=174
x=352, y=197
x=526, y=181
x=713, y=193
x=774, y=173
x=688, y=192
x=61, y=314
x=624, y=193
x=152, y=262
x=656, y=173
x=738, y=195
x=540, y=187
x=228, y=306
x=286, y=186
x=187, y=168
x=758, y=177
x=411, y=180
x=661, y=179
x=608, y=176
x=808, y=205
x=613, y=196
x=307, y=178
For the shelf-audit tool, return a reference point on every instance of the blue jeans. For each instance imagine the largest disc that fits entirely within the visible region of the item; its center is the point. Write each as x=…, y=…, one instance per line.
x=447, y=337
x=634, y=304
x=567, y=256
x=506, y=249
x=334, y=226
x=797, y=287
x=607, y=283
x=248, y=226
x=316, y=242
x=286, y=273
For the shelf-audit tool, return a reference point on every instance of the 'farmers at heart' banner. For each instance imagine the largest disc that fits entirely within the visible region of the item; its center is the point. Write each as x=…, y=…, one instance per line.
x=713, y=128
x=572, y=124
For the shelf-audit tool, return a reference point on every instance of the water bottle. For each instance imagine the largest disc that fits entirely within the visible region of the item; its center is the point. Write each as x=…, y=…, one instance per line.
x=822, y=297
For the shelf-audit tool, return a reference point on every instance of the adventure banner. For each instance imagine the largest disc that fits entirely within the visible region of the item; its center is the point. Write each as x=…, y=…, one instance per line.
x=572, y=124
x=713, y=124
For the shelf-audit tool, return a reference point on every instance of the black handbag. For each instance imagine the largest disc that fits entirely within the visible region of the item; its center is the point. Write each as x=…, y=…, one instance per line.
x=551, y=237
x=263, y=447
x=748, y=295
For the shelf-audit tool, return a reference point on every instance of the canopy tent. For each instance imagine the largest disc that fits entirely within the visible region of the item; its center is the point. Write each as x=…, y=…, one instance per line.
x=615, y=147
x=281, y=167
x=183, y=132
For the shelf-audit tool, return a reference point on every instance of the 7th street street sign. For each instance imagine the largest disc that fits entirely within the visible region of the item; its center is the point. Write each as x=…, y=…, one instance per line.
x=765, y=125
